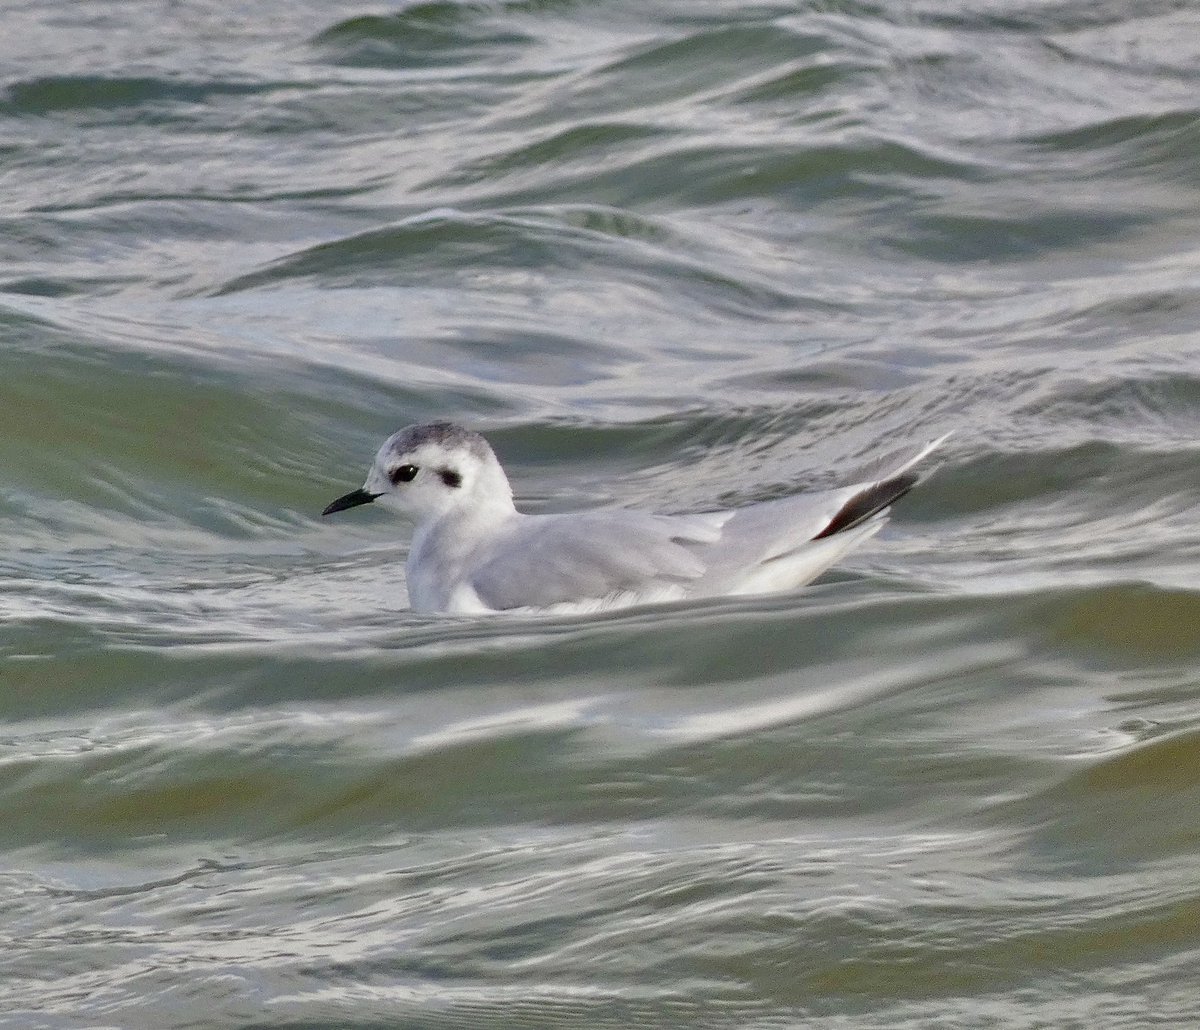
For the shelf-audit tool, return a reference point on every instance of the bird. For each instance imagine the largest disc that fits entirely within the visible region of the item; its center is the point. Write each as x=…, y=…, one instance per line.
x=473, y=552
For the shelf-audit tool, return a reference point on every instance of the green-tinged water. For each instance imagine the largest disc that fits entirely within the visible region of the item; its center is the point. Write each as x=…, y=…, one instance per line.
x=666, y=255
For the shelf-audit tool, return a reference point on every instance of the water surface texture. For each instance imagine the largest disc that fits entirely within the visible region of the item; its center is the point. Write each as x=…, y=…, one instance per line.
x=665, y=254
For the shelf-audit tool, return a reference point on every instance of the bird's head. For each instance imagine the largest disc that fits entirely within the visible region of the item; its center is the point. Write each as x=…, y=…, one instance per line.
x=428, y=471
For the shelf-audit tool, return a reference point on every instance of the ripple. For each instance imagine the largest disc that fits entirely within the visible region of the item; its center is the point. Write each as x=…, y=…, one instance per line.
x=422, y=35
x=1165, y=143
x=64, y=93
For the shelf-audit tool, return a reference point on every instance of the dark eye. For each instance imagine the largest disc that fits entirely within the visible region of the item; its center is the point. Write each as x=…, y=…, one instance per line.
x=403, y=474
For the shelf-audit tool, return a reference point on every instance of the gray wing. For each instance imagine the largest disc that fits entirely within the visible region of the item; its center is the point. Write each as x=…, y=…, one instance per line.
x=551, y=559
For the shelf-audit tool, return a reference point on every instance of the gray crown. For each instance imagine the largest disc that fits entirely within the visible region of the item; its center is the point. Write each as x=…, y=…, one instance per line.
x=446, y=434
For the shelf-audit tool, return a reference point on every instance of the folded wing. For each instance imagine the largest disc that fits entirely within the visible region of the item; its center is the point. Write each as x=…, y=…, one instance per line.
x=553, y=559
x=776, y=545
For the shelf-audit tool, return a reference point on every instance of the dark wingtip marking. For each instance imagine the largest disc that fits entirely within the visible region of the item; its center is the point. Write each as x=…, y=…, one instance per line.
x=869, y=502
x=450, y=477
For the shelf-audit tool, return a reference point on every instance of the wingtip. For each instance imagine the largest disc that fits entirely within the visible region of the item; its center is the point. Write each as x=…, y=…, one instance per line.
x=868, y=503
x=925, y=451
x=897, y=462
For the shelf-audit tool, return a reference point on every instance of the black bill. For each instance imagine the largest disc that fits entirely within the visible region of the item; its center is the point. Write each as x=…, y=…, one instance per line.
x=351, y=500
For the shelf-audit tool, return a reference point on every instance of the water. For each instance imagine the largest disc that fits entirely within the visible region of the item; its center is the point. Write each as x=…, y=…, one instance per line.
x=667, y=255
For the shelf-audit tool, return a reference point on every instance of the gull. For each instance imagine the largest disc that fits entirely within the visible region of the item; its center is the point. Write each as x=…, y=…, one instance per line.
x=473, y=552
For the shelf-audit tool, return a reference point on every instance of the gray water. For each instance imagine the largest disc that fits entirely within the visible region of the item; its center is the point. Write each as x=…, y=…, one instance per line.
x=665, y=255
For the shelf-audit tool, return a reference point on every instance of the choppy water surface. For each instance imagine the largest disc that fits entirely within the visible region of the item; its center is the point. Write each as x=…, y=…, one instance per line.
x=665, y=254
